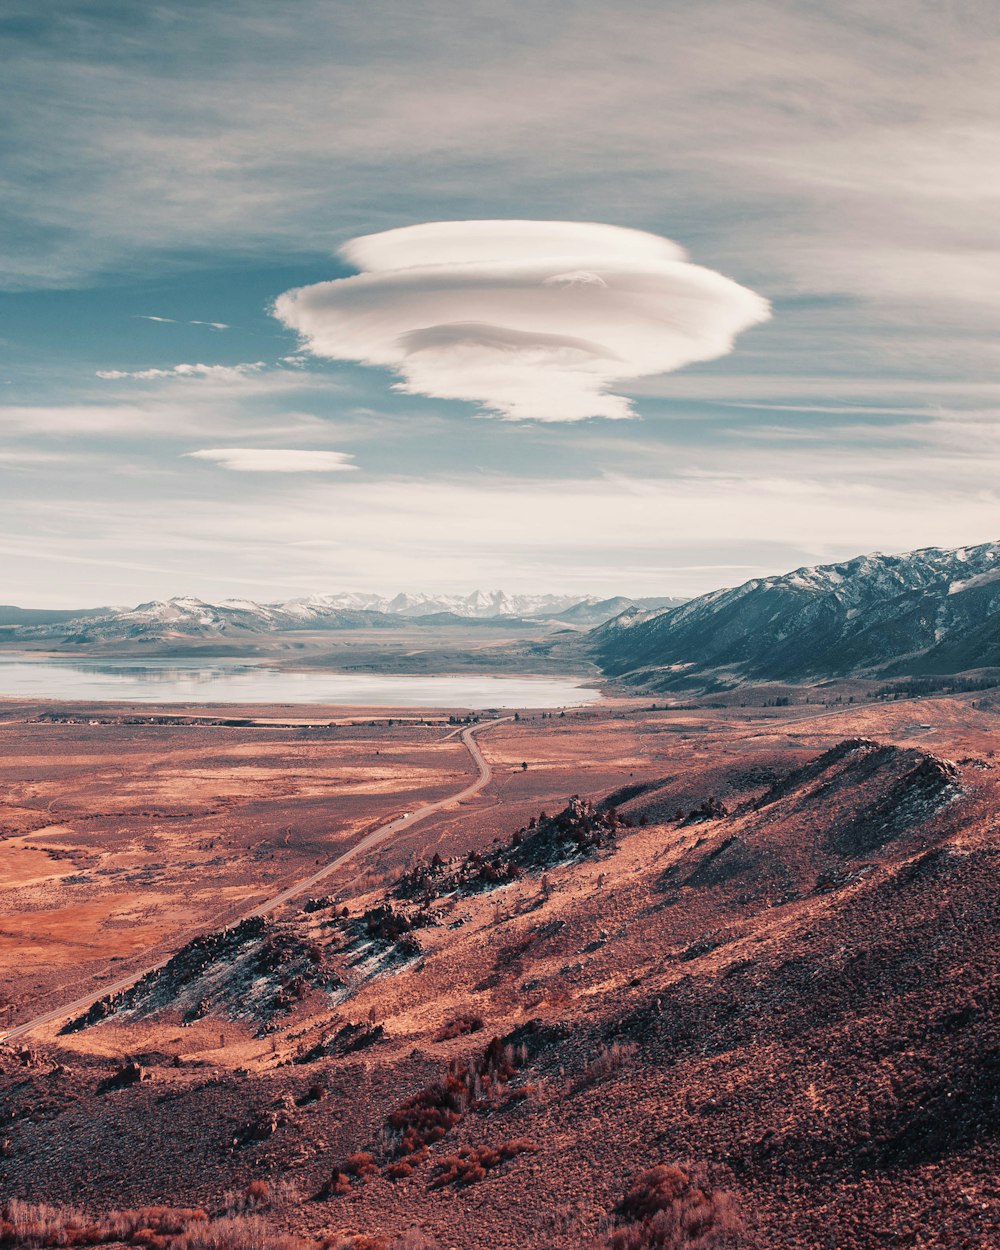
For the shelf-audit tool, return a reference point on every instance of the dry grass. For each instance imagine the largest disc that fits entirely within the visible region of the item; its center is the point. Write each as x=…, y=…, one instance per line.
x=39, y=1226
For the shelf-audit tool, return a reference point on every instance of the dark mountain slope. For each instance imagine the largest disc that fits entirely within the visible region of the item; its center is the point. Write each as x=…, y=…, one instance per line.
x=926, y=611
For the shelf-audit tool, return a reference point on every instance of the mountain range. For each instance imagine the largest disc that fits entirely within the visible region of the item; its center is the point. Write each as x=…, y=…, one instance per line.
x=483, y=605
x=189, y=617
x=932, y=611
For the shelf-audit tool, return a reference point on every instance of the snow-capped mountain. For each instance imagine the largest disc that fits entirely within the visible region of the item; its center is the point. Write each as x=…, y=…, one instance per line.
x=929, y=611
x=480, y=605
x=314, y=606
x=188, y=617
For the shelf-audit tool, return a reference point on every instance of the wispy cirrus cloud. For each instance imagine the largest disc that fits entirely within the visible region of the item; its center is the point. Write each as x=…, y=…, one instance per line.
x=275, y=460
x=174, y=321
x=529, y=319
x=628, y=534
x=215, y=373
x=840, y=143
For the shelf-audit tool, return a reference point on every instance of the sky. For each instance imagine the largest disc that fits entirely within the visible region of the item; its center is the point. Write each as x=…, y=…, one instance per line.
x=644, y=298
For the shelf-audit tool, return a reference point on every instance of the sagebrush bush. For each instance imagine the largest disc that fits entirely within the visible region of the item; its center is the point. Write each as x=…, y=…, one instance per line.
x=428, y=1115
x=608, y=1060
x=674, y=1208
x=432, y=1112
x=459, y=1026
x=471, y=1163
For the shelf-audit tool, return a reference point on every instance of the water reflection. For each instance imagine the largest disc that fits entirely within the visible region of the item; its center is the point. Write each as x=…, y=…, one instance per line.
x=242, y=681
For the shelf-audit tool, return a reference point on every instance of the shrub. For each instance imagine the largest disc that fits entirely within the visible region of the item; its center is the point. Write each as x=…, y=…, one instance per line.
x=355, y=1167
x=336, y=1186
x=471, y=1163
x=673, y=1208
x=360, y=1165
x=609, y=1059
x=428, y=1115
x=258, y=1193
x=459, y=1026
x=400, y=1170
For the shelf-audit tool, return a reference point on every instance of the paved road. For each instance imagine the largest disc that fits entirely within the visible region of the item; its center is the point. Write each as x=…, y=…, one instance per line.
x=375, y=838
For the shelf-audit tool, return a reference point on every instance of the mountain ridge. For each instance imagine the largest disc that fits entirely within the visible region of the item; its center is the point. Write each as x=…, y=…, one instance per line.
x=934, y=610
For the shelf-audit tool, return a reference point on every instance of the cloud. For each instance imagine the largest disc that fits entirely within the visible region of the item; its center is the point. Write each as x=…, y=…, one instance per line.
x=218, y=373
x=529, y=319
x=22, y=459
x=212, y=325
x=76, y=419
x=275, y=460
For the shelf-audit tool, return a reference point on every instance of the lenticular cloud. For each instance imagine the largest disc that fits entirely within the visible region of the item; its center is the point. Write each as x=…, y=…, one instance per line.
x=532, y=320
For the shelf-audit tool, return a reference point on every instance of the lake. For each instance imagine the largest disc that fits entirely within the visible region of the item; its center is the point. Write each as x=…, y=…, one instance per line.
x=244, y=681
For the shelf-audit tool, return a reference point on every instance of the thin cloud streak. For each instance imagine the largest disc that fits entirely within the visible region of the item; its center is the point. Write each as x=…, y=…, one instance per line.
x=275, y=460
x=174, y=321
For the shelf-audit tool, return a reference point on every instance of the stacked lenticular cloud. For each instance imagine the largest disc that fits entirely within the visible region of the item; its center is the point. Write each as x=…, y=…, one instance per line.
x=528, y=319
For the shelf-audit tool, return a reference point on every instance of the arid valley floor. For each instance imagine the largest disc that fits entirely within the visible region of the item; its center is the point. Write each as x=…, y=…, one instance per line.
x=751, y=943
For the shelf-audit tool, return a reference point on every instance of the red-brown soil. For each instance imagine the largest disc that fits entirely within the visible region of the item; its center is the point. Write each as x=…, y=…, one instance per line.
x=761, y=953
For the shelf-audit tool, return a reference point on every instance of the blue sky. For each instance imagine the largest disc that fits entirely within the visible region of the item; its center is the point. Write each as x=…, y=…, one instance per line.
x=173, y=168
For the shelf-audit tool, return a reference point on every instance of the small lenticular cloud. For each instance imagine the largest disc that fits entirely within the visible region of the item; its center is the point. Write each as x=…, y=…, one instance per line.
x=275, y=459
x=532, y=320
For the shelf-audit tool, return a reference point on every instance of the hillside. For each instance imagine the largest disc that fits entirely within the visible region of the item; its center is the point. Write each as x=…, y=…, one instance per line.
x=10, y=615
x=929, y=611
x=754, y=995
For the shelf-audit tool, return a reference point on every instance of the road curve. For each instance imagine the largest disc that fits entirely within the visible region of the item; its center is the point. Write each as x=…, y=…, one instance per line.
x=375, y=838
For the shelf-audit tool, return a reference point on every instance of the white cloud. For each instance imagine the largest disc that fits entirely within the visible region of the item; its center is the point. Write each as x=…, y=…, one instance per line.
x=275, y=460
x=531, y=320
x=218, y=373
